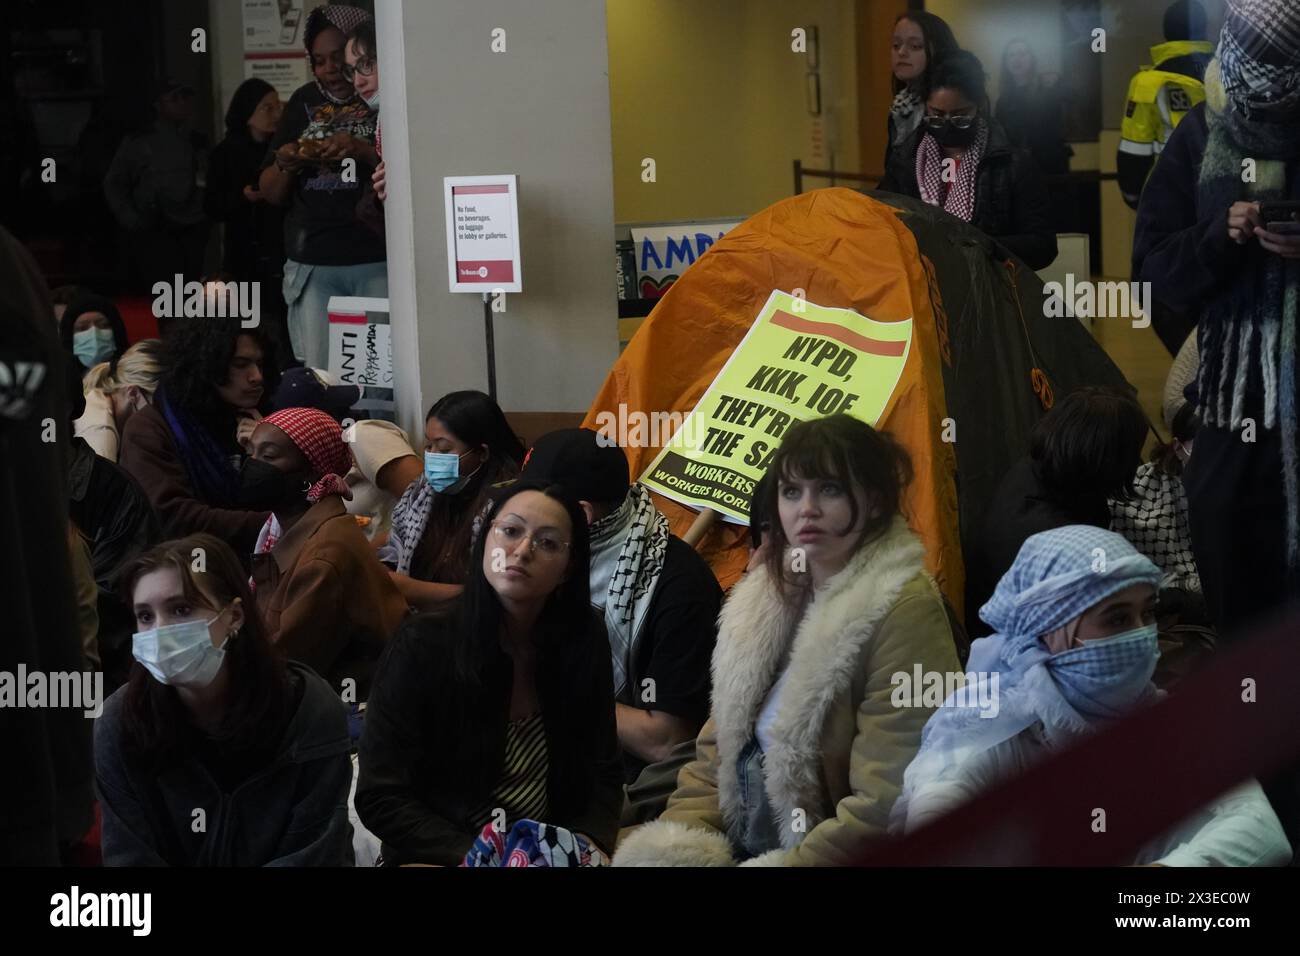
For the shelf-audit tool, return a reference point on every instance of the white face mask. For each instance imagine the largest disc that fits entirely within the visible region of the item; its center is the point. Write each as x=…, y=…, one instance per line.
x=180, y=654
x=372, y=100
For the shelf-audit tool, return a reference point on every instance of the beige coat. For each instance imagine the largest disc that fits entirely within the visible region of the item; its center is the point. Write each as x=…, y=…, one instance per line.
x=836, y=766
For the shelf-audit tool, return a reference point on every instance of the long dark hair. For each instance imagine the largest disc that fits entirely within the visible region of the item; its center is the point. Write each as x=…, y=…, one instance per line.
x=939, y=41
x=198, y=354
x=243, y=102
x=841, y=449
x=1090, y=444
x=567, y=612
x=475, y=419
x=153, y=716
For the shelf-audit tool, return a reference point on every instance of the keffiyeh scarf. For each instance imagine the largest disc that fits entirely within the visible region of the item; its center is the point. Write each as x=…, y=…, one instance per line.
x=1056, y=577
x=627, y=556
x=956, y=198
x=1247, y=335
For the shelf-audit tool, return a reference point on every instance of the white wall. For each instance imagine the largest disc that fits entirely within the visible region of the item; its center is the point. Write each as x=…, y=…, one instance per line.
x=541, y=110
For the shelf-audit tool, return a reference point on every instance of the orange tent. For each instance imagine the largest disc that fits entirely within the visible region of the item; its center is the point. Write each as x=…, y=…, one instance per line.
x=888, y=262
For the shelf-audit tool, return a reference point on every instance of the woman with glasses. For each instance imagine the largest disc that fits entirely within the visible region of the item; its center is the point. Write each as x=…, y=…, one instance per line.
x=361, y=67
x=326, y=129
x=961, y=161
x=491, y=724
x=469, y=447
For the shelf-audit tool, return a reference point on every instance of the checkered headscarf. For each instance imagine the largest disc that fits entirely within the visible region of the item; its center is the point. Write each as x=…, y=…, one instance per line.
x=1259, y=57
x=319, y=437
x=1056, y=577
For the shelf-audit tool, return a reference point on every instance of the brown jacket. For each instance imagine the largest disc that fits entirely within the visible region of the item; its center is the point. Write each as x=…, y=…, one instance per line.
x=325, y=598
x=150, y=454
x=841, y=742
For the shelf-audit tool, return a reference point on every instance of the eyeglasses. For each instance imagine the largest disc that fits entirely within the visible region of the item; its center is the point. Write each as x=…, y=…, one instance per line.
x=937, y=123
x=365, y=66
x=508, y=534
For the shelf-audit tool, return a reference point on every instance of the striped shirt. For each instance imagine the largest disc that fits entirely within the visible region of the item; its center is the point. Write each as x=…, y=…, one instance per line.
x=521, y=790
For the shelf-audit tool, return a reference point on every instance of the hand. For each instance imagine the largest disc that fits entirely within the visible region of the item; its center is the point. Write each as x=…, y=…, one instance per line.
x=253, y=194
x=758, y=556
x=1243, y=221
x=248, y=421
x=1285, y=245
x=287, y=158
x=346, y=146
x=381, y=186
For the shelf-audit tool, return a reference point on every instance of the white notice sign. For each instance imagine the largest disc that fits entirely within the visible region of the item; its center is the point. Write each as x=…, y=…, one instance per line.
x=483, y=233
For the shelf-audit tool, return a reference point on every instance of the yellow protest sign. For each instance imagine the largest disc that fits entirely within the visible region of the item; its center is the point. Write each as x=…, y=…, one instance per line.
x=797, y=361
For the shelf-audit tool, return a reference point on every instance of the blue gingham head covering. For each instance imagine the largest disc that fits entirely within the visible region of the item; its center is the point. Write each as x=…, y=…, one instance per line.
x=1056, y=577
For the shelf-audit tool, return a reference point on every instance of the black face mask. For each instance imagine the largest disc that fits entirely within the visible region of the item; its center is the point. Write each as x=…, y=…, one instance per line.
x=949, y=135
x=263, y=487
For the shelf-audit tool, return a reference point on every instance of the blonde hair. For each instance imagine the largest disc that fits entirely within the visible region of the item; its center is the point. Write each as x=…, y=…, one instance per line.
x=140, y=365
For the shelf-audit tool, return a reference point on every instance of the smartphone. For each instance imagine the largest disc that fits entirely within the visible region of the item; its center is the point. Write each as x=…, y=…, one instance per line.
x=1281, y=216
x=289, y=25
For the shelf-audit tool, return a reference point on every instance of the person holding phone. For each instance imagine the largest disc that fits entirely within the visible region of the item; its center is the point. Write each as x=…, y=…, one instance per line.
x=1213, y=240
x=328, y=250
x=1225, y=248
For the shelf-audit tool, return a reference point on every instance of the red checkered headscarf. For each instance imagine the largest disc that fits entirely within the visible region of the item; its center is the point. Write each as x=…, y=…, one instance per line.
x=319, y=437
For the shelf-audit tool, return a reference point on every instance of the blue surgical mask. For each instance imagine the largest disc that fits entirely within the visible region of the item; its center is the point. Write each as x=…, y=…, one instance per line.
x=442, y=472
x=1105, y=678
x=180, y=653
x=93, y=346
x=441, y=469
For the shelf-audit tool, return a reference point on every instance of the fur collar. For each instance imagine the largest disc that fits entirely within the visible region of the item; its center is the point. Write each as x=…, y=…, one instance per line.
x=754, y=631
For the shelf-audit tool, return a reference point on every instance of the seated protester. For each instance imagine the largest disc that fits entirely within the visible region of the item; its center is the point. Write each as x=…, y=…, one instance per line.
x=64, y=296
x=115, y=523
x=323, y=598
x=187, y=447
x=500, y=708
x=1154, y=519
x=1082, y=453
x=996, y=187
x=93, y=331
x=659, y=600
x=115, y=390
x=469, y=448
x=1072, y=650
x=804, y=750
x=214, y=720
x=384, y=464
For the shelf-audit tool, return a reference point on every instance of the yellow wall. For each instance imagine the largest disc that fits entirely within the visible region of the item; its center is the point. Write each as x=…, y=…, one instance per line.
x=712, y=92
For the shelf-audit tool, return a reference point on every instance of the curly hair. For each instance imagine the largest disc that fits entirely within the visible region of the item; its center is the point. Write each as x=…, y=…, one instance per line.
x=198, y=356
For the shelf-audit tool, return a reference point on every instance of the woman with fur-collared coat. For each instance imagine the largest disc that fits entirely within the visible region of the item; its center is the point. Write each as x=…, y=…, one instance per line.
x=803, y=754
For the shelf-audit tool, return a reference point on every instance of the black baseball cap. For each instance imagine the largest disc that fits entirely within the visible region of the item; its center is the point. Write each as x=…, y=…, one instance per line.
x=304, y=388
x=170, y=84
x=581, y=463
